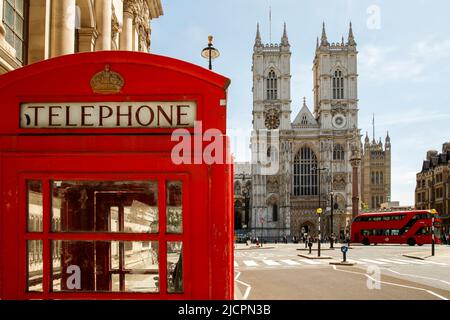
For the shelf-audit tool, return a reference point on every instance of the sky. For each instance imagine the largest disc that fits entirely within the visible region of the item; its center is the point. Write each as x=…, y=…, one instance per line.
x=403, y=64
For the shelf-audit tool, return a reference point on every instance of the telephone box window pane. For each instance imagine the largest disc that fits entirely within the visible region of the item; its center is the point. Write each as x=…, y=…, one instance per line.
x=174, y=207
x=106, y=266
x=175, y=267
x=105, y=206
x=34, y=204
x=34, y=253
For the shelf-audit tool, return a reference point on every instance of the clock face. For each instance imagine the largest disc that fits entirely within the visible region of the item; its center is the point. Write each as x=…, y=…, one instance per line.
x=272, y=120
x=339, y=121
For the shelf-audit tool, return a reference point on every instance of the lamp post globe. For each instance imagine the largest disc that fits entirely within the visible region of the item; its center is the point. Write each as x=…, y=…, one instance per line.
x=210, y=53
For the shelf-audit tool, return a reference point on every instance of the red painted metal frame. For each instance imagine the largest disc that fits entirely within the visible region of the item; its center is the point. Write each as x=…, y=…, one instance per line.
x=115, y=154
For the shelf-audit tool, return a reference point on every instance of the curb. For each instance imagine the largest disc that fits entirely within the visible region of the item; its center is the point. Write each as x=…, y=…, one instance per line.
x=342, y=263
x=415, y=257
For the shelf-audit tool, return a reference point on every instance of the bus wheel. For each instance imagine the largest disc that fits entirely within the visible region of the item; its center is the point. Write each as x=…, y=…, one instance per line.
x=411, y=242
x=420, y=244
x=366, y=242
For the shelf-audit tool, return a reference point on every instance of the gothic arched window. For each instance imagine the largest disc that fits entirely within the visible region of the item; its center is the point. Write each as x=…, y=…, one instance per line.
x=338, y=85
x=274, y=212
x=304, y=120
x=338, y=152
x=271, y=86
x=305, y=174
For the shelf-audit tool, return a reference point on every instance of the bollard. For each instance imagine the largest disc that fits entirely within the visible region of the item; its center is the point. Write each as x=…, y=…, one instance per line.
x=345, y=256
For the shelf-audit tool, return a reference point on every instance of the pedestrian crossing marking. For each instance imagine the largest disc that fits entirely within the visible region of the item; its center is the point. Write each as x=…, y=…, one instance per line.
x=410, y=261
x=250, y=263
x=291, y=262
x=271, y=262
x=310, y=261
x=434, y=262
x=363, y=261
x=392, y=261
x=374, y=261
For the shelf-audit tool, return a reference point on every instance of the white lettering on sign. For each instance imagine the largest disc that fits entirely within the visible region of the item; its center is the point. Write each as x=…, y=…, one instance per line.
x=108, y=115
x=74, y=280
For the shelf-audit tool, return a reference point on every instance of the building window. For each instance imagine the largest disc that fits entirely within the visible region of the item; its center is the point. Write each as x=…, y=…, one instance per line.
x=304, y=120
x=14, y=17
x=305, y=174
x=338, y=152
x=275, y=212
x=272, y=91
x=338, y=85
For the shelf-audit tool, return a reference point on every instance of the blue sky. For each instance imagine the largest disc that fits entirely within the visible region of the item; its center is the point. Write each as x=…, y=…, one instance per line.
x=403, y=62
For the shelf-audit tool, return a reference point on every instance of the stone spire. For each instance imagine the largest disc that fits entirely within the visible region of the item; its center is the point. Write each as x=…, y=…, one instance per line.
x=351, y=38
x=367, y=140
x=304, y=101
x=388, y=140
x=284, y=38
x=317, y=43
x=258, y=42
x=324, y=40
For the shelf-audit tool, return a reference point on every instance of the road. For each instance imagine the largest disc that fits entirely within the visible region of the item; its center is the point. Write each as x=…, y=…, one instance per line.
x=380, y=272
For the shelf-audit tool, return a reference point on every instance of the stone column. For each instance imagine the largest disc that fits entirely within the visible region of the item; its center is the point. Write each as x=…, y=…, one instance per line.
x=126, y=37
x=103, y=13
x=63, y=27
x=355, y=162
x=39, y=30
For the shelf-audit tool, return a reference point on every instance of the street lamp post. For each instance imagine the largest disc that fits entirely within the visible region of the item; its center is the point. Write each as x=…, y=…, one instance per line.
x=331, y=220
x=319, y=209
x=210, y=52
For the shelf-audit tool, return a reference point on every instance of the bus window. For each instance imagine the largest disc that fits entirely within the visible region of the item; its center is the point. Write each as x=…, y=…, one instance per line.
x=395, y=232
x=386, y=218
x=376, y=218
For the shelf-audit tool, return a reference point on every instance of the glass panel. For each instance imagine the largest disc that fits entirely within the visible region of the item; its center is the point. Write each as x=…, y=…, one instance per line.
x=9, y=35
x=19, y=26
x=106, y=266
x=105, y=206
x=34, y=203
x=19, y=48
x=19, y=7
x=174, y=207
x=9, y=15
x=175, y=267
x=34, y=253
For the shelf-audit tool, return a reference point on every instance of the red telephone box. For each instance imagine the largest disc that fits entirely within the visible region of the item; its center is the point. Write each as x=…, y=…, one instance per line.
x=98, y=199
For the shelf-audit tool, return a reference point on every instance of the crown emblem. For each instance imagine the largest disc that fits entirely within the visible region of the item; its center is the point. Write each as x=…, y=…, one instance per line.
x=107, y=81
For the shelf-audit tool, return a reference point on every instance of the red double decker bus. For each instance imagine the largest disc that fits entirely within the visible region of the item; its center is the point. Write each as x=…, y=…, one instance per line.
x=401, y=227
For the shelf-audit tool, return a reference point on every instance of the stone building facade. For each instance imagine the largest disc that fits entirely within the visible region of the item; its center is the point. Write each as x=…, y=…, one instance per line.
x=376, y=173
x=311, y=155
x=433, y=183
x=35, y=30
x=298, y=166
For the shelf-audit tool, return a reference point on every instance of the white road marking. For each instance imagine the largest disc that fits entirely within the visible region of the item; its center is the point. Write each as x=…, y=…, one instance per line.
x=410, y=261
x=374, y=261
x=250, y=263
x=434, y=262
x=392, y=261
x=236, y=264
x=291, y=262
x=247, y=291
x=393, y=284
x=310, y=261
x=416, y=276
x=271, y=262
